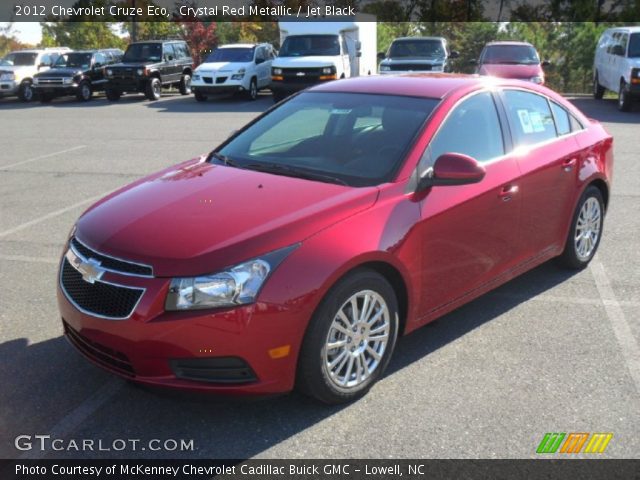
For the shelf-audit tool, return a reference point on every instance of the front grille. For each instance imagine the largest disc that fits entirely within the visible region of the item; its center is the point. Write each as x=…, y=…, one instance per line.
x=302, y=75
x=208, y=80
x=414, y=67
x=221, y=80
x=105, y=356
x=110, y=263
x=214, y=370
x=50, y=81
x=98, y=298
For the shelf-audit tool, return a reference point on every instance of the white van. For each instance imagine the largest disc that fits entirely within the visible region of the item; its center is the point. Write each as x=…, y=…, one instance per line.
x=312, y=52
x=616, y=65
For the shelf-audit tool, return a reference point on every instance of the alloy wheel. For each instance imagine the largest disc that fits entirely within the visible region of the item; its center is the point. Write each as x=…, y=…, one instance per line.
x=588, y=228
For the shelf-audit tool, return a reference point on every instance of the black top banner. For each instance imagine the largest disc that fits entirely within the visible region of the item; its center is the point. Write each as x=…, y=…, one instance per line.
x=623, y=11
x=319, y=469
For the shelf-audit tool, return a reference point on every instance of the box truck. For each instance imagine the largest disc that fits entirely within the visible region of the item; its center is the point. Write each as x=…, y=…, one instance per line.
x=312, y=52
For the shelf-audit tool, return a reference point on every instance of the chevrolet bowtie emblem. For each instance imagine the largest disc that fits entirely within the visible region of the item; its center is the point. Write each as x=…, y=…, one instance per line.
x=90, y=268
x=300, y=74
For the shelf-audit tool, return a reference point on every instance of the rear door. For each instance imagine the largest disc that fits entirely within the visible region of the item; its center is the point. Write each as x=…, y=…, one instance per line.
x=470, y=232
x=170, y=67
x=262, y=69
x=548, y=157
x=97, y=71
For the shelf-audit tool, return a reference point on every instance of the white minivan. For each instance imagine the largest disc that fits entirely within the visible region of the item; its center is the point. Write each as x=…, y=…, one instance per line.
x=616, y=65
x=241, y=67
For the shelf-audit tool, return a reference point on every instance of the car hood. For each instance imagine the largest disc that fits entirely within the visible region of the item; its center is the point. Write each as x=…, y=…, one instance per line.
x=511, y=71
x=198, y=218
x=59, y=72
x=222, y=67
x=133, y=64
x=413, y=60
x=300, y=62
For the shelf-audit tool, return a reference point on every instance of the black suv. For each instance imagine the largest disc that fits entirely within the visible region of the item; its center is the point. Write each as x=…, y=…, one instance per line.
x=77, y=73
x=148, y=66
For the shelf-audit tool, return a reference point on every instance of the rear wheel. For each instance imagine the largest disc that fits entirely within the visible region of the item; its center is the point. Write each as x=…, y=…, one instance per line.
x=25, y=92
x=154, y=89
x=185, y=84
x=112, y=95
x=84, y=92
x=624, y=98
x=586, y=230
x=201, y=97
x=350, y=339
x=598, y=90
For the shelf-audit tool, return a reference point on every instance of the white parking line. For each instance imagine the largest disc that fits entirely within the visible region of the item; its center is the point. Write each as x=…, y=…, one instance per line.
x=28, y=259
x=78, y=415
x=41, y=157
x=55, y=213
x=621, y=329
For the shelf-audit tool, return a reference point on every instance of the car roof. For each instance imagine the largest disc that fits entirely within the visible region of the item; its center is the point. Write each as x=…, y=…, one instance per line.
x=430, y=85
x=239, y=45
x=158, y=41
x=508, y=42
x=418, y=38
x=630, y=29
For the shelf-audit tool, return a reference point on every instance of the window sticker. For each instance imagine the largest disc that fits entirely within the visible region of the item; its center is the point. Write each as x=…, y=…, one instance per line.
x=341, y=111
x=536, y=121
x=525, y=121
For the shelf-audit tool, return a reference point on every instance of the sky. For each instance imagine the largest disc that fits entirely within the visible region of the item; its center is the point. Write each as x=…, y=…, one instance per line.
x=26, y=32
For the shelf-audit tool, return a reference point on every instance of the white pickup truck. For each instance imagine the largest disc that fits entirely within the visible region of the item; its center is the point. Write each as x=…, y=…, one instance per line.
x=18, y=68
x=320, y=51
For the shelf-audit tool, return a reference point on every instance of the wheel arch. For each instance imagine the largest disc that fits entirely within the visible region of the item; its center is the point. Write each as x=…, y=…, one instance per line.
x=601, y=185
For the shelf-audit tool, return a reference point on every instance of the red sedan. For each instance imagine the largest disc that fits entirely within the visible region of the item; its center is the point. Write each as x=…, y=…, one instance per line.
x=296, y=252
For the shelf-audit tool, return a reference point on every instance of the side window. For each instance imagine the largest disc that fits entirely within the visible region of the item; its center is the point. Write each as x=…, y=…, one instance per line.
x=272, y=53
x=100, y=59
x=560, y=115
x=472, y=128
x=260, y=54
x=612, y=42
x=624, y=39
x=167, y=51
x=45, y=60
x=181, y=50
x=575, y=124
x=530, y=118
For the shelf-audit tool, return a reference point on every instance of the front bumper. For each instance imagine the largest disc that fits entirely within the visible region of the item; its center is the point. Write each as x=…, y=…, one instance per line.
x=124, y=85
x=8, y=88
x=56, y=89
x=155, y=347
x=288, y=88
x=211, y=89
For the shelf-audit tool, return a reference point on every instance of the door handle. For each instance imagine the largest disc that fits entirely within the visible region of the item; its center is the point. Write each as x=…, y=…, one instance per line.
x=568, y=164
x=507, y=192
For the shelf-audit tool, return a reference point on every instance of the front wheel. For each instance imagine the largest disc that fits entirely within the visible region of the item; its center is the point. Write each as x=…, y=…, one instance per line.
x=25, y=92
x=624, y=98
x=185, y=85
x=200, y=97
x=598, y=90
x=112, y=95
x=586, y=230
x=252, y=93
x=84, y=92
x=350, y=339
x=154, y=89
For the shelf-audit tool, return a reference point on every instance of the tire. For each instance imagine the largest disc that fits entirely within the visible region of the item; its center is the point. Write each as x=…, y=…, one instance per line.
x=347, y=371
x=153, y=90
x=25, y=92
x=598, y=90
x=185, y=85
x=252, y=93
x=586, y=230
x=112, y=95
x=45, y=98
x=84, y=92
x=624, y=99
x=200, y=97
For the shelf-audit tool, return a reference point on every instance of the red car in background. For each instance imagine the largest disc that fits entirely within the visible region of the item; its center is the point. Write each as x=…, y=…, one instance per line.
x=517, y=60
x=296, y=252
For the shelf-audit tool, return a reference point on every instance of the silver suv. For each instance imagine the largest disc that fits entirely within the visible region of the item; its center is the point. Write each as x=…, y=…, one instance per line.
x=18, y=68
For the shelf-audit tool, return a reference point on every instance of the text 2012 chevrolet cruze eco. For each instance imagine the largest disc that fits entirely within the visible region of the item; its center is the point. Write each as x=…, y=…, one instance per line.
x=297, y=251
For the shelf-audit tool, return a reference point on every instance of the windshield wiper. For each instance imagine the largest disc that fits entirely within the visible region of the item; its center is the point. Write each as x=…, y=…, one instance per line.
x=225, y=160
x=288, y=171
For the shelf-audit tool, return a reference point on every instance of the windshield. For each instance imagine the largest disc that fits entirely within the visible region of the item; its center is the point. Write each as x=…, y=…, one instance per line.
x=511, y=54
x=349, y=138
x=417, y=48
x=143, y=52
x=634, y=45
x=310, y=46
x=19, y=59
x=74, y=60
x=231, y=55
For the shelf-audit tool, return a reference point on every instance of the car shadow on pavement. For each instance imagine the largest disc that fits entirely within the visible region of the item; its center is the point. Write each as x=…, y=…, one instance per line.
x=214, y=104
x=45, y=382
x=606, y=110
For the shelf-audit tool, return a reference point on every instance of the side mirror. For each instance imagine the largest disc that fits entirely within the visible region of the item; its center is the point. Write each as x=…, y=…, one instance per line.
x=381, y=56
x=169, y=58
x=452, y=169
x=454, y=54
x=618, y=50
x=473, y=62
x=358, y=54
x=97, y=65
x=546, y=63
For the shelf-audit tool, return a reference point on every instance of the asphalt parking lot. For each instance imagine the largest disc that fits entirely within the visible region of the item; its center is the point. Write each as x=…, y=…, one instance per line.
x=551, y=351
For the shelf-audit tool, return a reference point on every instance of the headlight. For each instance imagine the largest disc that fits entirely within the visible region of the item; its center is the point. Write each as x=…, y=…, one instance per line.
x=276, y=71
x=140, y=71
x=36, y=80
x=67, y=80
x=196, y=76
x=385, y=68
x=327, y=70
x=8, y=76
x=238, y=285
x=537, y=79
x=109, y=72
x=238, y=75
